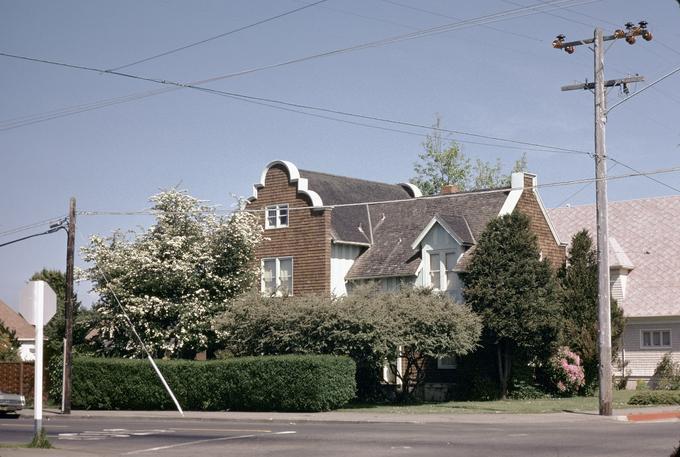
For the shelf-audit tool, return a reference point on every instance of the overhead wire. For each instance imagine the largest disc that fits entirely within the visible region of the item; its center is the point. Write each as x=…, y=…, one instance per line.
x=221, y=35
x=149, y=211
x=26, y=227
x=496, y=17
x=557, y=149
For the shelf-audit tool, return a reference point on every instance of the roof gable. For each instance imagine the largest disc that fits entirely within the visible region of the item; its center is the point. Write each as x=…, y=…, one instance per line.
x=447, y=223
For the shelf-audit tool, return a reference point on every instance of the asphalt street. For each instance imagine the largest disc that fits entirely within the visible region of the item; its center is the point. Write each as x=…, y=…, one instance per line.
x=97, y=436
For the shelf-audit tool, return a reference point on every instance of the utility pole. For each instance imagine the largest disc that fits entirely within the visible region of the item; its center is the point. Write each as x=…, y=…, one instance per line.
x=68, y=310
x=604, y=306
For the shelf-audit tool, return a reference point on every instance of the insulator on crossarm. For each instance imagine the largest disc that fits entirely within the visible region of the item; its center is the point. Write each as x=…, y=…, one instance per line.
x=557, y=42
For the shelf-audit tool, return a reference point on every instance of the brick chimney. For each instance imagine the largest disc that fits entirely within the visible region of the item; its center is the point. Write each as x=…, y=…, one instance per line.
x=449, y=189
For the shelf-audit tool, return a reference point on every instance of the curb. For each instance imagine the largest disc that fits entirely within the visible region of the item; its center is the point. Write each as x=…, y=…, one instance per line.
x=664, y=416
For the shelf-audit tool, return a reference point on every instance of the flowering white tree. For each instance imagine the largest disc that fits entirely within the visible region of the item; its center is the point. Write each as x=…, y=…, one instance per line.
x=172, y=279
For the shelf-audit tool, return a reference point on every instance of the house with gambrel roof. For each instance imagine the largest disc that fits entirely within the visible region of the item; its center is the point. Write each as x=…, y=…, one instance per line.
x=325, y=233
x=644, y=257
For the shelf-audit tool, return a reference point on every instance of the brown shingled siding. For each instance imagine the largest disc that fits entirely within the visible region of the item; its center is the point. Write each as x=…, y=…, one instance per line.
x=528, y=204
x=306, y=239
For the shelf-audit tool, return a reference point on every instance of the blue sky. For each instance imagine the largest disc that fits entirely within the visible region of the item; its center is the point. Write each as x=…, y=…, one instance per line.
x=501, y=79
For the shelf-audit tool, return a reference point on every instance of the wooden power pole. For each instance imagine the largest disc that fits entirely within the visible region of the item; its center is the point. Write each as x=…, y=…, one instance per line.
x=598, y=87
x=68, y=309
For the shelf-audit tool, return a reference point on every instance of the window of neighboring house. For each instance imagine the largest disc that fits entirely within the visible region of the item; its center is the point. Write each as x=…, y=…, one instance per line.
x=442, y=276
x=447, y=363
x=655, y=338
x=277, y=216
x=277, y=276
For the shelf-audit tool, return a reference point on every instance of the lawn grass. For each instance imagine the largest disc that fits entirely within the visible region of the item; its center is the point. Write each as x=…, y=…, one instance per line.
x=543, y=405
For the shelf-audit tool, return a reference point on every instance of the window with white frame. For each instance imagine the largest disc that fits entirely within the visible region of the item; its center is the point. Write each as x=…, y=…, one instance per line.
x=447, y=363
x=655, y=339
x=277, y=216
x=277, y=276
x=442, y=264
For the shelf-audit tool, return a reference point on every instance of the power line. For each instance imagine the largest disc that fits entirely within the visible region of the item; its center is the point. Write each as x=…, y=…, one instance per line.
x=297, y=105
x=587, y=181
x=652, y=84
x=23, y=228
x=481, y=20
x=53, y=228
x=434, y=13
x=221, y=35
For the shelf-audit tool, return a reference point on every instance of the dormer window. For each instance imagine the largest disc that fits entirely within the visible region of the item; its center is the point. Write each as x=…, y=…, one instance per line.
x=442, y=275
x=277, y=216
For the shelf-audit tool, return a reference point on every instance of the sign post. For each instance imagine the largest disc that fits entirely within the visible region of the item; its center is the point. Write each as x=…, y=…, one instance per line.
x=38, y=305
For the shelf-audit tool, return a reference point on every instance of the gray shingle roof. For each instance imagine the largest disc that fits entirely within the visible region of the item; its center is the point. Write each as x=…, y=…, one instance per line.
x=647, y=232
x=338, y=190
x=396, y=225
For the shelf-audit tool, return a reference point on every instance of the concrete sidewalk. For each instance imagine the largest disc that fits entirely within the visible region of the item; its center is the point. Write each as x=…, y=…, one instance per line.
x=664, y=413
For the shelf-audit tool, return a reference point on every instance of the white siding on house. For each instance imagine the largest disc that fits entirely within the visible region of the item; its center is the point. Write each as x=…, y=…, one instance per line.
x=617, y=280
x=438, y=240
x=643, y=361
x=342, y=259
x=27, y=351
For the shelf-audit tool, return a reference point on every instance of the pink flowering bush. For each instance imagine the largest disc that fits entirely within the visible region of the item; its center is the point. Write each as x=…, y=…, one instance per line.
x=565, y=372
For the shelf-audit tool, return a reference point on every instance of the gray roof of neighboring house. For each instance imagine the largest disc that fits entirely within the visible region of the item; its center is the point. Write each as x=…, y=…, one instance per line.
x=16, y=322
x=646, y=233
x=396, y=225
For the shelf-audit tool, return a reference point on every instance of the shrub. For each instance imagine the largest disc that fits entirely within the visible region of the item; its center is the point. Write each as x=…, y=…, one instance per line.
x=370, y=326
x=523, y=390
x=666, y=375
x=655, y=397
x=279, y=383
x=565, y=372
x=641, y=385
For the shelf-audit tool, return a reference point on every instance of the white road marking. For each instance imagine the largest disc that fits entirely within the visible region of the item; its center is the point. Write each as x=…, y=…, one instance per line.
x=518, y=434
x=287, y=432
x=90, y=435
x=241, y=430
x=189, y=443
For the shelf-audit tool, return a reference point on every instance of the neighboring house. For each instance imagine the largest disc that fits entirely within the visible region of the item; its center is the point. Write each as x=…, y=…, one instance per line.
x=644, y=259
x=326, y=233
x=24, y=331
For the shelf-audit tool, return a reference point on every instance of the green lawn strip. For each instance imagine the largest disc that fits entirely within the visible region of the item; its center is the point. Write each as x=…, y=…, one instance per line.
x=543, y=405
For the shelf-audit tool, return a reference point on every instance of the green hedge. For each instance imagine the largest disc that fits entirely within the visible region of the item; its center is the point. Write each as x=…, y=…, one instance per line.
x=655, y=397
x=273, y=383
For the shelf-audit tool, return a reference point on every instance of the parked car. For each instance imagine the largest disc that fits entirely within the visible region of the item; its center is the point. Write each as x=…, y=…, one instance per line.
x=10, y=403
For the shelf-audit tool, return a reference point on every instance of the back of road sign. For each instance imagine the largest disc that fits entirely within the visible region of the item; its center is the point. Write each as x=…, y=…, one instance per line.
x=38, y=292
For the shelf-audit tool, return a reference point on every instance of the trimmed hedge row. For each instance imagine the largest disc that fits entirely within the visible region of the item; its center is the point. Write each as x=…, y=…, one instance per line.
x=655, y=397
x=273, y=383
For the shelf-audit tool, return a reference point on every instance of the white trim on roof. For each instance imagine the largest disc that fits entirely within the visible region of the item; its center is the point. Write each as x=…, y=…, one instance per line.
x=415, y=190
x=534, y=183
x=294, y=176
x=517, y=187
x=435, y=220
